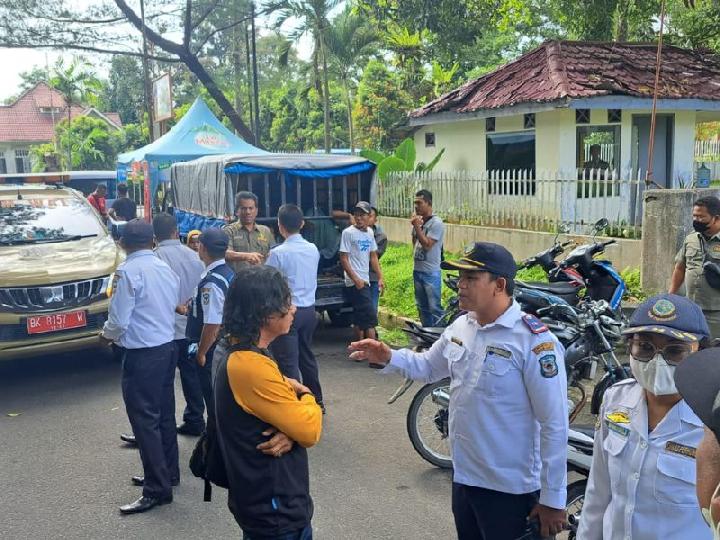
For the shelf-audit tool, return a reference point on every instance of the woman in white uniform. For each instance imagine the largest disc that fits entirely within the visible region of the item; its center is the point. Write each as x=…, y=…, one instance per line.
x=642, y=480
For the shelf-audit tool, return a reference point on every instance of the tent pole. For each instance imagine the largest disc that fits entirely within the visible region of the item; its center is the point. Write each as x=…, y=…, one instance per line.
x=653, y=115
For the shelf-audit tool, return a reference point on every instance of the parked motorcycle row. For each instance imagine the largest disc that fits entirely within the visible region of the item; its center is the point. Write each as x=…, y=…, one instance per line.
x=580, y=304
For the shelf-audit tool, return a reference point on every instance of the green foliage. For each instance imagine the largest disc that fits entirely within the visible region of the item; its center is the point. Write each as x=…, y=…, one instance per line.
x=394, y=337
x=381, y=107
x=403, y=159
x=631, y=276
x=124, y=92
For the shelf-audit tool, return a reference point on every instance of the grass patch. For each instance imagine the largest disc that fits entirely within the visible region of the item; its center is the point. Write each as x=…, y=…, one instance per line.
x=393, y=337
x=399, y=296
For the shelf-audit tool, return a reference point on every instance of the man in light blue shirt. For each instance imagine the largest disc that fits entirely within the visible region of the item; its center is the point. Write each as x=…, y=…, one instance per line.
x=142, y=321
x=188, y=267
x=298, y=260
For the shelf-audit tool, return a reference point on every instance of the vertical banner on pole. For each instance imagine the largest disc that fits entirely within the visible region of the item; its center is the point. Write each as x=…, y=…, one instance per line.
x=147, y=196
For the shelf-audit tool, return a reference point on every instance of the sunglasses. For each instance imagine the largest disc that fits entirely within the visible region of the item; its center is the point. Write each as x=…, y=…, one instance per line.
x=674, y=353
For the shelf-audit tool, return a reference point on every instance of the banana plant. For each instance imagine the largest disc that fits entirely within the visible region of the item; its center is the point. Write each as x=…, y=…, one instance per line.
x=402, y=159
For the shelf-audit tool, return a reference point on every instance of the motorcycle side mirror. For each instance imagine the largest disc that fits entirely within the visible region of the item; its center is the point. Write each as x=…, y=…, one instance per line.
x=600, y=225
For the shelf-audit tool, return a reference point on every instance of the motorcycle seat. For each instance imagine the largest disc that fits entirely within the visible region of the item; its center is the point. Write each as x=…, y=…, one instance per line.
x=558, y=289
x=585, y=429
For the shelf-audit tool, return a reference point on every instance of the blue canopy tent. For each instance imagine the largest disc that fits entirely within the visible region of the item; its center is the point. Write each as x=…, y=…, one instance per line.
x=204, y=189
x=198, y=133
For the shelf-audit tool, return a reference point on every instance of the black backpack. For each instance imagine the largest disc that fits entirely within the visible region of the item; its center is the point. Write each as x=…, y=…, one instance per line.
x=206, y=461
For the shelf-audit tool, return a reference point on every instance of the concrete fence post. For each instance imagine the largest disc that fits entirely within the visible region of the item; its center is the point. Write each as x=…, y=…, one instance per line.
x=667, y=219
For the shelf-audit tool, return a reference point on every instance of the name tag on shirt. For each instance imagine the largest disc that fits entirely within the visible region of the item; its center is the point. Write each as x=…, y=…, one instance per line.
x=620, y=430
x=497, y=351
x=677, y=448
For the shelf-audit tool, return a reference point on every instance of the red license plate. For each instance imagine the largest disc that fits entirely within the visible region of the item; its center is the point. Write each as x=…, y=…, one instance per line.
x=42, y=324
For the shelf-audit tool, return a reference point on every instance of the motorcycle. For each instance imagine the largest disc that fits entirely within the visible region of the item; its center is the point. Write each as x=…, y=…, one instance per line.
x=579, y=460
x=568, y=278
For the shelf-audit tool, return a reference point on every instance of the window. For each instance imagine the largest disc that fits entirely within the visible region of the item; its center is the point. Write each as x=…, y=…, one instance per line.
x=22, y=161
x=582, y=116
x=490, y=124
x=3, y=165
x=513, y=155
x=598, y=155
x=429, y=139
x=529, y=121
x=614, y=116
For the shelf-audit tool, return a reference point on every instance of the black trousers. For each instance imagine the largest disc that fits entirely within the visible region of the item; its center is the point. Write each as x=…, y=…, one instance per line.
x=148, y=377
x=192, y=390
x=293, y=351
x=205, y=377
x=484, y=514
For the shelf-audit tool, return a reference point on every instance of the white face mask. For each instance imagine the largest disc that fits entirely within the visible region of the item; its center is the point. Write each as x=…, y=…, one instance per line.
x=709, y=519
x=656, y=376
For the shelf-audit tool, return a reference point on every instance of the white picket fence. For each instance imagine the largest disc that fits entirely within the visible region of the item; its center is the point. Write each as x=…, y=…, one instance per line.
x=707, y=150
x=540, y=201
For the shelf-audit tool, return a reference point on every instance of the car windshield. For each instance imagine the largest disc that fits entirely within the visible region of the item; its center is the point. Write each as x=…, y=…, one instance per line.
x=39, y=219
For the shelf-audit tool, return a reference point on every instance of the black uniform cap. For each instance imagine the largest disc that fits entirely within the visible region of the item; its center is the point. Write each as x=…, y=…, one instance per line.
x=214, y=239
x=138, y=232
x=485, y=257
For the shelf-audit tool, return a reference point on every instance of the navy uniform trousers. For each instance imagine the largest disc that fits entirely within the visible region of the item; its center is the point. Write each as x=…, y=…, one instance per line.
x=148, y=377
x=192, y=388
x=293, y=351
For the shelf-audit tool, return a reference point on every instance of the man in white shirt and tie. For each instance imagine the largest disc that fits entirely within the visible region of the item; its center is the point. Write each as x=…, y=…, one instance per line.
x=298, y=260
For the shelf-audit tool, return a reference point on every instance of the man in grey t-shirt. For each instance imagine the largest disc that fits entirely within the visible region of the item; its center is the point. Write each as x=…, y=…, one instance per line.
x=427, y=240
x=358, y=253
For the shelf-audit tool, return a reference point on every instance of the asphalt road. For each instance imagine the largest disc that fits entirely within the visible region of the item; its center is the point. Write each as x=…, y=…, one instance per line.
x=64, y=471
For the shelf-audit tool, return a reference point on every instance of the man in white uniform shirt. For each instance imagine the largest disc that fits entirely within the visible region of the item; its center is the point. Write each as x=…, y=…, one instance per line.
x=508, y=421
x=298, y=261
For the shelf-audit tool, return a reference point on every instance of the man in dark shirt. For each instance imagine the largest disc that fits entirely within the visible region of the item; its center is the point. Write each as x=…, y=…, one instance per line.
x=123, y=208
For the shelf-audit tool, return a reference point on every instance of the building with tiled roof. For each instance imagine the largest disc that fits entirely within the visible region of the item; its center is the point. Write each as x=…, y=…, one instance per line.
x=31, y=119
x=546, y=109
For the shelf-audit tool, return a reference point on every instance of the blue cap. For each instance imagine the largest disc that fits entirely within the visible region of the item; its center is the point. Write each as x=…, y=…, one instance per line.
x=137, y=232
x=669, y=315
x=214, y=239
x=485, y=257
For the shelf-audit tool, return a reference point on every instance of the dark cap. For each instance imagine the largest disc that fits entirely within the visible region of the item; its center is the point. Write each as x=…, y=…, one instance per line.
x=698, y=380
x=363, y=206
x=138, y=232
x=669, y=315
x=485, y=257
x=214, y=239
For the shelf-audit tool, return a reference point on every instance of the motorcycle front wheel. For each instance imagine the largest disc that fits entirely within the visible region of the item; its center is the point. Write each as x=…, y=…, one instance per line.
x=427, y=426
x=575, y=501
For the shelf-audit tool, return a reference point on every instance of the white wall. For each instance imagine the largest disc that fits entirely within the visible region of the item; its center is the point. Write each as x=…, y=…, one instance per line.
x=555, y=141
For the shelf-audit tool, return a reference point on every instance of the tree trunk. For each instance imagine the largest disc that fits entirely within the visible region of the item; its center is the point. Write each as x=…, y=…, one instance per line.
x=226, y=107
x=351, y=134
x=326, y=96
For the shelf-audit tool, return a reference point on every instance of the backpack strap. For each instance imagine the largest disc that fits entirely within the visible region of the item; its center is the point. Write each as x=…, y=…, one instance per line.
x=207, y=493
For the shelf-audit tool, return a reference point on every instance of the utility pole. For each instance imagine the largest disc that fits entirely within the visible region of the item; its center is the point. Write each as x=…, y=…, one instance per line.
x=653, y=116
x=146, y=75
x=248, y=68
x=256, y=91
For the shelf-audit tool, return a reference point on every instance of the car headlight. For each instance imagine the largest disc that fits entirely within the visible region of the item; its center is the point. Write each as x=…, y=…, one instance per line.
x=108, y=284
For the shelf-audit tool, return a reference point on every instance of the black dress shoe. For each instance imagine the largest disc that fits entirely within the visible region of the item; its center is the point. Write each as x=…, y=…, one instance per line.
x=187, y=429
x=128, y=438
x=143, y=504
x=140, y=481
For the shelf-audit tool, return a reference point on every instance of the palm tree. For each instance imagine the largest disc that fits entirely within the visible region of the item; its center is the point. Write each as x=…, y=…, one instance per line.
x=78, y=84
x=349, y=41
x=312, y=19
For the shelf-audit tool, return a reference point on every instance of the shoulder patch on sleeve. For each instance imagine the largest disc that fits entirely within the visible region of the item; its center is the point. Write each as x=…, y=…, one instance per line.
x=535, y=325
x=545, y=346
x=548, y=366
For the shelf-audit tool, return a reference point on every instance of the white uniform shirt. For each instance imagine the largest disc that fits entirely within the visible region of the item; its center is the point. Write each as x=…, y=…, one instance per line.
x=642, y=486
x=188, y=267
x=298, y=260
x=508, y=403
x=212, y=297
x=142, y=309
